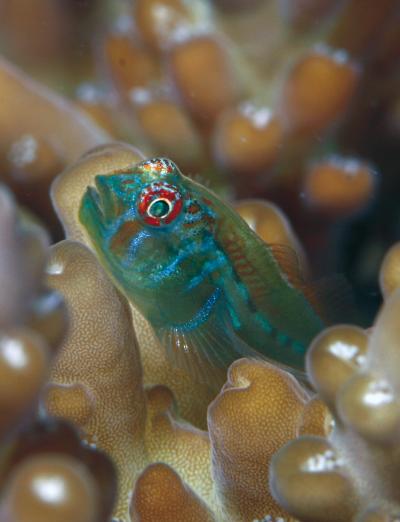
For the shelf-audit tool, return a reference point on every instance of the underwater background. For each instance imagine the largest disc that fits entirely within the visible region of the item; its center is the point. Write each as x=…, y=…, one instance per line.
x=290, y=111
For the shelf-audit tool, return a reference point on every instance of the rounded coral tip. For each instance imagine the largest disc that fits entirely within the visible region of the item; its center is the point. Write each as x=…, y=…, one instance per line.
x=51, y=487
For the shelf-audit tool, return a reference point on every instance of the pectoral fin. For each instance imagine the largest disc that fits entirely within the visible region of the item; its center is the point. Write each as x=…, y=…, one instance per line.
x=206, y=351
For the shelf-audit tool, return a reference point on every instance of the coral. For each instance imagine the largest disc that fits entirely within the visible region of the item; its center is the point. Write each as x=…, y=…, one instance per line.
x=259, y=408
x=205, y=96
x=55, y=445
x=219, y=467
x=170, y=440
x=271, y=224
x=339, y=186
x=19, y=275
x=45, y=472
x=351, y=474
x=389, y=272
x=160, y=495
x=33, y=109
x=288, y=87
x=331, y=73
x=96, y=381
x=25, y=352
x=247, y=140
x=79, y=502
x=292, y=102
x=58, y=42
x=41, y=133
x=217, y=473
x=68, y=188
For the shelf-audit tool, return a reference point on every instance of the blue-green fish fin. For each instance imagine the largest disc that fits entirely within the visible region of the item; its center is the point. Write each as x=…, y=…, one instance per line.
x=273, y=279
x=205, y=352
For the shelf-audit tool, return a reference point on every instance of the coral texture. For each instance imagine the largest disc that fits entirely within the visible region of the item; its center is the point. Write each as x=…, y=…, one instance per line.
x=351, y=474
x=45, y=471
x=96, y=381
x=293, y=102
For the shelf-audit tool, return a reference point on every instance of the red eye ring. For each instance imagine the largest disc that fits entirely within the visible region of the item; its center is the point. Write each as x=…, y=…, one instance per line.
x=163, y=192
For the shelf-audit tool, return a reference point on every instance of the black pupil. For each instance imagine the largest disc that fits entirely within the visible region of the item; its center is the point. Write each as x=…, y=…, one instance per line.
x=159, y=208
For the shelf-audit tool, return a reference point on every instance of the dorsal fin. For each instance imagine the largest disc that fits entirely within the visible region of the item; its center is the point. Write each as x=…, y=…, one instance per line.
x=270, y=286
x=331, y=297
x=289, y=262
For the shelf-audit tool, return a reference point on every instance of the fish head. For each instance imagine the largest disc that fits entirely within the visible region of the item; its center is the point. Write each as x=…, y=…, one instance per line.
x=149, y=226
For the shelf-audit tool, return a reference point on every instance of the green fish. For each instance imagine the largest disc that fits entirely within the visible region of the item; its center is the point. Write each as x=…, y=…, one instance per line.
x=210, y=287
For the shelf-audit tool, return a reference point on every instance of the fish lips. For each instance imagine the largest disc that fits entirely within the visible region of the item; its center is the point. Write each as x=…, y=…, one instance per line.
x=91, y=207
x=102, y=199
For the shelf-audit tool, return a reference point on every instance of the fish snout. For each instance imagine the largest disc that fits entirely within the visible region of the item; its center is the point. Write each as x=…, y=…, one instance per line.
x=108, y=197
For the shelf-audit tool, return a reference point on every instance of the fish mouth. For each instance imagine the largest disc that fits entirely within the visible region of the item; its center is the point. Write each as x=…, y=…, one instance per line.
x=92, y=202
x=94, y=196
x=108, y=201
x=100, y=200
x=91, y=213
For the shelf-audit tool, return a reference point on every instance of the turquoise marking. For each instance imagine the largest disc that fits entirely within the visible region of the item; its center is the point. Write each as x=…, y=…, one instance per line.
x=201, y=316
x=282, y=338
x=113, y=228
x=298, y=347
x=134, y=246
x=208, y=268
x=184, y=254
x=194, y=218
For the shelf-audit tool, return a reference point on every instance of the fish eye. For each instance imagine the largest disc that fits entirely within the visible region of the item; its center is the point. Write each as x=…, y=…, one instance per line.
x=159, y=204
x=159, y=208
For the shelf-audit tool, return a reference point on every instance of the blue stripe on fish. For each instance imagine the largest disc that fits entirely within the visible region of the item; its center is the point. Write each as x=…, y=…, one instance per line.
x=202, y=315
x=208, y=268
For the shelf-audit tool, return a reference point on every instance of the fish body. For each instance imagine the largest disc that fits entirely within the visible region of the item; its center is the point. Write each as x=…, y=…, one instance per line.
x=210, y=287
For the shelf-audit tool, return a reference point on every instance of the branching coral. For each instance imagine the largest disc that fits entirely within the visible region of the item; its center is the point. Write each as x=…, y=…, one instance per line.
x=338, y=186
x=272, y=225
x=172, y=441
x=297, y=99
x=24, y=351
x=24, y=504
x=36, y=458
x=97, y=380
x=41, y=133
x=33, y=109
x=231, y=481
x=389, y=276
x=258, y=409
x=160, y=495
x=352, y=473
x=288, y=84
